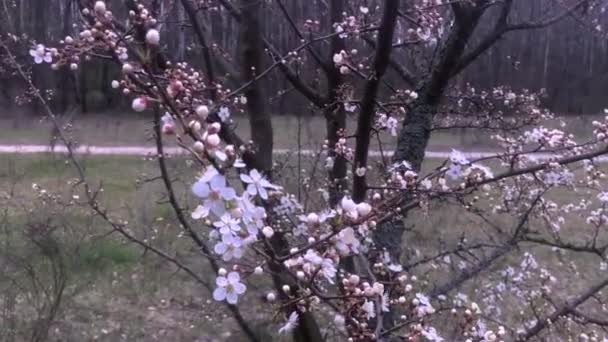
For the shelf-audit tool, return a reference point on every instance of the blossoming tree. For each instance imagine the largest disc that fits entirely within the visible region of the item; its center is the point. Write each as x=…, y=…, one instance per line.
x=338, y=268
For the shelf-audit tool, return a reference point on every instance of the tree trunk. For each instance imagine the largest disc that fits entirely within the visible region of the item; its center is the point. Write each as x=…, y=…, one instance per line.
x=414, y=136
x=335, y=116
x=368, y=104
x=251, y=52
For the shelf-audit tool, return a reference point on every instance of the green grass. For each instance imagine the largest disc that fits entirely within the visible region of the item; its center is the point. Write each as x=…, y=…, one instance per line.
x=105, y=253
x=110, y=280
x=122, y=282
x=290, y=131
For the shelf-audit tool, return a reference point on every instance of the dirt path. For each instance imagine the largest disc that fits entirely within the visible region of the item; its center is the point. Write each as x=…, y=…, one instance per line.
x=148, y=150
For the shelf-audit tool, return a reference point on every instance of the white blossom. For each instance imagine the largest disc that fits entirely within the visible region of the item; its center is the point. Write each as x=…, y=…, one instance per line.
x=291, y=323
x=347, y=242
x=340, y=322
x=392, y=125
x=350, y=107
x=227, y=224
x=458, y=157
x=257, y=184
x=370, y=309
x=229, y=247
x=200, y=212
x=224, y=114
x=431, y=334
x=229, y=288
x=212, y=188
x=40, y=54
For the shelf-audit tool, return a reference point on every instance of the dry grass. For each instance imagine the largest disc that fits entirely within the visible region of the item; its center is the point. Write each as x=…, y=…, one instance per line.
x=116, y=291
x=120, y=293
x=290, y=132
x=125, y=294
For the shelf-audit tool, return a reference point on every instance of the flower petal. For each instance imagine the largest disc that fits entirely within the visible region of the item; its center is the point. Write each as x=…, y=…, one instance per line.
x=219, y=294
x=233, y=277
x=238, y=253
x=217, y=207
x=218, y=182
x=227, y=256
x=263, y=193
x=255, y=175
x=220, y=248
x=245, y=178
x=228, y=194
x=240, y=288
x=201, y=189
x=265, y=183
x=232, y=297
x=221, y=155
x=200, y=212
x=221, y=281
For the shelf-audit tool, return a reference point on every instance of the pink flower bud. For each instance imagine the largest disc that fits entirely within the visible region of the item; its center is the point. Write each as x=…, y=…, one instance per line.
x=364, y=209
x=195, y=125
x=214, y=128
x=139, y=104
x=153, y=37
x=168, y=129
x=213, y=140
x=202, y=112
x=198, y=147
x=268, y=232
x=127, y=68
x=100, y=7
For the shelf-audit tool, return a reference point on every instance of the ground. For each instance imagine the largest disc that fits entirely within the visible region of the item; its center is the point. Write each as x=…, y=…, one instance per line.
x=116, y=291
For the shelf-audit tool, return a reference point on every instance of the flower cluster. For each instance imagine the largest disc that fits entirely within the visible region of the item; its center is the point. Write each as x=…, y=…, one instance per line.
x=258, y=228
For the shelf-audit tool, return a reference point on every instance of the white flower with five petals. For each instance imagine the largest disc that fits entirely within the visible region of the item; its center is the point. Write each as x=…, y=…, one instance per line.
x=229, y=288
x=257, y=184
x=231, y=247
x=40, y=54
x=227, y=224
x=224, y=114
x=212, y=188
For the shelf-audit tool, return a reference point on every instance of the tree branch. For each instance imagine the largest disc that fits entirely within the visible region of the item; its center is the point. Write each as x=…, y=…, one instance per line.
x=366, y=116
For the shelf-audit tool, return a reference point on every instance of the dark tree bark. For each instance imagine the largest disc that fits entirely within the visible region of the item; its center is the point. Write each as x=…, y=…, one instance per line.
x=414, y=136
x=368, y=104
x=66, y=79
x=251, y=49
x=335, y=116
